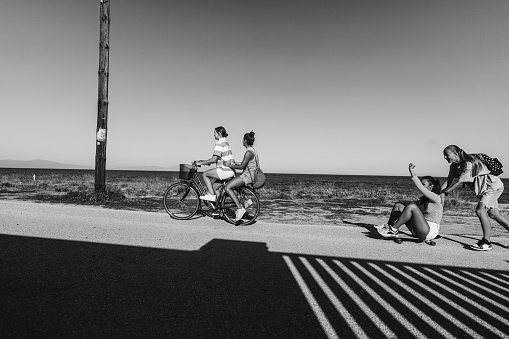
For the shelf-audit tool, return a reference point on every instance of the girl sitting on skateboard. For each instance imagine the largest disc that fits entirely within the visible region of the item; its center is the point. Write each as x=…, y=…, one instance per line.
x=422, y=217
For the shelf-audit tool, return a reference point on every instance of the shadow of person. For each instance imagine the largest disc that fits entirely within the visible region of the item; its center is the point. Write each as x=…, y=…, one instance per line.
x=464, y=245
x=361, y=224
x=500, y=244
x=372, y=231
x=474, y=239
x=407, y=236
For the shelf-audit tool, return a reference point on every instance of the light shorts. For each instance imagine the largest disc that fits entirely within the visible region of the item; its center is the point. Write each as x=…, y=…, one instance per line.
x=433, y=230
x=224, y=173
x=246, y=177
x=490, y=197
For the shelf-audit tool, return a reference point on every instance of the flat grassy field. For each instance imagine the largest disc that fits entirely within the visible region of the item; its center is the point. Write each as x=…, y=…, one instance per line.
x=300, y=202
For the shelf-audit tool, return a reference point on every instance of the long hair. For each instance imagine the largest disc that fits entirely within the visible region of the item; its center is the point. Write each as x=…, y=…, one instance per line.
x=221, y=131
x=436, y=189
x=249, y=137
x=464, y=157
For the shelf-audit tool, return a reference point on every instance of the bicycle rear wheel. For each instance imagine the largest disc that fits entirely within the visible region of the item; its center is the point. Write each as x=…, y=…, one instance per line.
x=181, y=201
x=249, y=199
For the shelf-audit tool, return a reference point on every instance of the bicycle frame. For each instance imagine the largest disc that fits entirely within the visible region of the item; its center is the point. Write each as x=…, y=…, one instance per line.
x=197, y=183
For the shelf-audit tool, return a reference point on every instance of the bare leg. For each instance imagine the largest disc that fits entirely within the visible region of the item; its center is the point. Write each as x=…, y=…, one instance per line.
x=481, y=213
x=414, y=220
x=208, y=176
x=495, y=214
x=395, y=213
x=235, y=184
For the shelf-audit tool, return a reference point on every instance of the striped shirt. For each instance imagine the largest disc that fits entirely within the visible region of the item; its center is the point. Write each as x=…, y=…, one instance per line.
x=223, y=151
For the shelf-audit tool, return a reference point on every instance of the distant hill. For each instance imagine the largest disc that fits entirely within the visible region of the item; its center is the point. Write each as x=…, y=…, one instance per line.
x=147, y=168
x=38, y=163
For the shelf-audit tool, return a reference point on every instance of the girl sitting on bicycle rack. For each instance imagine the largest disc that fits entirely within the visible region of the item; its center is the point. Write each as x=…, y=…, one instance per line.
x=248, y=165
x=223, y=158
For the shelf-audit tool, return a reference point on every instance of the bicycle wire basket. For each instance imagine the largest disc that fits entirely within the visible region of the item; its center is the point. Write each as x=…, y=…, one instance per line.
x=186, y=172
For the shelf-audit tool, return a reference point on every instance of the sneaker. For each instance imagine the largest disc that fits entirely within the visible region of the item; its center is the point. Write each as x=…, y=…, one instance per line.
x=208, y=197
x=388, y=232
x=381, y=226
x=239, y=214
x=248, y=203
x=482, y=245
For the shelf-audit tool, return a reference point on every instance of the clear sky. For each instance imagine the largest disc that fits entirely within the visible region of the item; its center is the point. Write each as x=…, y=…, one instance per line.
x=336, y=87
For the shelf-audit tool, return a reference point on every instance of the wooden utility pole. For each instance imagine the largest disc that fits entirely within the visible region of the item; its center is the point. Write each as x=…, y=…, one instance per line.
x=102, y=103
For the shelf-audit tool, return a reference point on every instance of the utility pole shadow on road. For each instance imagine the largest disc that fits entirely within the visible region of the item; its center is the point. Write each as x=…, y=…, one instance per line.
x=232, y=289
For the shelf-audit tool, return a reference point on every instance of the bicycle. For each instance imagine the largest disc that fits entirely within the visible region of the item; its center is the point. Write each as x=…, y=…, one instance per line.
x=182, y=199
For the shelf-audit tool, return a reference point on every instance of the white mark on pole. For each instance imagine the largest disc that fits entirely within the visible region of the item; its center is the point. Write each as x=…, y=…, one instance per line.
x=101, y=134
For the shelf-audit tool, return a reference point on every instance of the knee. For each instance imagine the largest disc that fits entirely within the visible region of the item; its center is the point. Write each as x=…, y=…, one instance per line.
x=399, y=206
x=207, y=176
x=492, y=213
x=232, y=185
x=480, y=211
x=412, y=206
x=228, y=187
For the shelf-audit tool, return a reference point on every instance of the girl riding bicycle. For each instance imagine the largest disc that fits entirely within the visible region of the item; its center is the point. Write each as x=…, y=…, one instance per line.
x=248, y=167
x=223, y=158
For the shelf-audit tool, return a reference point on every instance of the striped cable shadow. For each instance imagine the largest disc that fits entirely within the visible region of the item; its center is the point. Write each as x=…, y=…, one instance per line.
x=367, y=299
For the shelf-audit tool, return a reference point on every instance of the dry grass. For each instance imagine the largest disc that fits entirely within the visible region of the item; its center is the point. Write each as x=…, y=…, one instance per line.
x=329, y=191
x=145, y=193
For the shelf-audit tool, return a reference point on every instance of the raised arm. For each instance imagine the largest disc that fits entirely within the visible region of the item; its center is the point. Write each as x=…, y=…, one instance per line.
x=427, y=193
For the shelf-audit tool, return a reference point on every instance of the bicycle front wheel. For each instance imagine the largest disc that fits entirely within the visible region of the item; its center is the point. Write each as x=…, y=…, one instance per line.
x=181, y=201
x=247, y=198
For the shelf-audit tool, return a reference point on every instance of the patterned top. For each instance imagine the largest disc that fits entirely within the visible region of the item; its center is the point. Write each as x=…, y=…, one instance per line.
x=223, y=151
x=253, y=163
x=480, y=183
x=249, y=172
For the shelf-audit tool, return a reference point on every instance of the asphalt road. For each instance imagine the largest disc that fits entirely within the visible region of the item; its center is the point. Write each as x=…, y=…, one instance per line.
x=73, y=272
